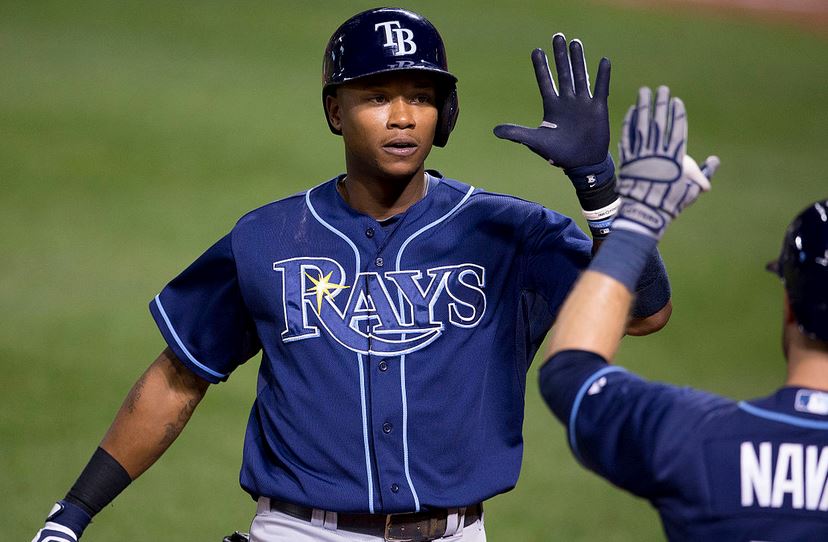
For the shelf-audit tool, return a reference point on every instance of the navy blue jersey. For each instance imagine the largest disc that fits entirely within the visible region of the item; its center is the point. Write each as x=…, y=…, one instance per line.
x=394, y=357
x=715, y=469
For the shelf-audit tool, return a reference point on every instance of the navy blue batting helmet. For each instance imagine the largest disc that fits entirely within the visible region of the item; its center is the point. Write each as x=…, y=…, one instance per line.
x=803, y=267
x=390, y=39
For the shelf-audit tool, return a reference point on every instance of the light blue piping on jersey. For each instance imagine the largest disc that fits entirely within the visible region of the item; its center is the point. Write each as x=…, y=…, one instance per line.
x=402, y=358
x=573, y=442
x=782, y=418
x=365, y=434
x=405, y=433
x=429, y=226
x=181, y=344
x=331, y=228
x=368, y=470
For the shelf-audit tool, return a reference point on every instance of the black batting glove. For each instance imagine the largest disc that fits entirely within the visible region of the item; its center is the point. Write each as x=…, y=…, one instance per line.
x=574, y=133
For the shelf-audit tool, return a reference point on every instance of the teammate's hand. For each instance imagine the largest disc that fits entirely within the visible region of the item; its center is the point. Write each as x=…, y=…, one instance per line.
x=575, y=128
x=65, y=523
x=657, y=179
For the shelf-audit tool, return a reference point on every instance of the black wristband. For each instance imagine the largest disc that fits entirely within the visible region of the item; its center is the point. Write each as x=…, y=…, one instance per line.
x=592, y=175
x=101, y=481
x=599, y=197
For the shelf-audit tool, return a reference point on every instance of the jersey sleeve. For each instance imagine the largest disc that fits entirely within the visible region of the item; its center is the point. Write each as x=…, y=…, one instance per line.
x=628, y=430
x=557, y=253
x=203, y=318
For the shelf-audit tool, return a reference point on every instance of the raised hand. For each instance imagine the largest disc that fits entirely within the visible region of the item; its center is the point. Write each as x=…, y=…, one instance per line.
x=657, y=179
x=574, y=131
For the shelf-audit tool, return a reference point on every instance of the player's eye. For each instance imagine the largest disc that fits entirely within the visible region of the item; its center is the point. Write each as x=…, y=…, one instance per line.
x=424, y=98
x=378, y=99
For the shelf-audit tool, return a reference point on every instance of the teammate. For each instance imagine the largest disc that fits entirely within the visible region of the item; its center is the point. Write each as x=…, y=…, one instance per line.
x=397, y=310
x=715, y=469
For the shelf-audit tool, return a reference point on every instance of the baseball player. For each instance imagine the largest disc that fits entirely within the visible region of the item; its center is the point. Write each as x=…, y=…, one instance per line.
x=397, y=310
x=715, y=469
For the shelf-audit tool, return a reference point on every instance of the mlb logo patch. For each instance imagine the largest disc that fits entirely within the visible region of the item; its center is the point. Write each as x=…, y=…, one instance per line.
x=597, y=386
x=813, y=402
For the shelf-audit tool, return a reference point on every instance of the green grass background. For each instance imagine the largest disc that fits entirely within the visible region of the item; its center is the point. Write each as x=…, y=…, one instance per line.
x=133, y=134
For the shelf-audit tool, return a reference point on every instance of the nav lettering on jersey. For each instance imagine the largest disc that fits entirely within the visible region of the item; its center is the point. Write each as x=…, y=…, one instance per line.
x=390, y=313
x=401, y=39
x=797, y=475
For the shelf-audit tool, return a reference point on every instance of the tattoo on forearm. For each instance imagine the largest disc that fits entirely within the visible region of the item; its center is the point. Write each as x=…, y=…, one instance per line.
x=135, y=393
x=173, y=429
x=170, y=433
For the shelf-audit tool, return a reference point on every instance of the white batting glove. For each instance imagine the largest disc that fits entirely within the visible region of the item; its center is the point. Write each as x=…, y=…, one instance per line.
x=657, y=180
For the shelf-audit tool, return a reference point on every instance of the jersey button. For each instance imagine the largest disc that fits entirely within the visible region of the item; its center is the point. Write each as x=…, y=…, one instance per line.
x=383, y=366
x=379, y=262
x=369, y=233
x=387, y=428
x=394, y=488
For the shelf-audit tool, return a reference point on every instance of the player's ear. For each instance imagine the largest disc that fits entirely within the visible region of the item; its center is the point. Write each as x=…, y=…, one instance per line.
x=333, y=111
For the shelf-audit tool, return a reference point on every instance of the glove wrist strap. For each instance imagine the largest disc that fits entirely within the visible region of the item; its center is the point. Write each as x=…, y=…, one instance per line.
x=640, y=218
x=73, y=517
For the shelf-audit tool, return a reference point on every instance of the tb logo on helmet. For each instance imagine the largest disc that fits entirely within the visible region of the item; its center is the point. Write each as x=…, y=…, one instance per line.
x=401, y=39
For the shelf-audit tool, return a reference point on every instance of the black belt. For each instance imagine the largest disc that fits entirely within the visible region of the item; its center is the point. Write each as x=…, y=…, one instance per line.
x=411, y=527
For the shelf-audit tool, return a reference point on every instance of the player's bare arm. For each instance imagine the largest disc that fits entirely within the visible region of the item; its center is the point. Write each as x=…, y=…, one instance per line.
x=153, y=414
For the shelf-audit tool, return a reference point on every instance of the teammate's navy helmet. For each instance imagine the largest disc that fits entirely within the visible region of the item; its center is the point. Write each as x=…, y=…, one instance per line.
x=803, y=266
x=390, y=39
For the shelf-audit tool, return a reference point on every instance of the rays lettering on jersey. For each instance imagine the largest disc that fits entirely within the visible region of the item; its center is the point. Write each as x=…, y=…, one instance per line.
x=800, y=472
x=390, y=313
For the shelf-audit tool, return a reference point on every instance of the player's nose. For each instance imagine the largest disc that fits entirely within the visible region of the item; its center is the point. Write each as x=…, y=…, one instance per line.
x=400, y=114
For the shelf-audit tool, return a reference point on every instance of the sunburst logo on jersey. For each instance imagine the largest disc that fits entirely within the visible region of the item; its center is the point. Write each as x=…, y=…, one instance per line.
x=322, y=287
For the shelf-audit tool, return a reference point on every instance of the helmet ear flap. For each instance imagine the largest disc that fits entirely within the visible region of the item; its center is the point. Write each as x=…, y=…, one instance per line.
x=447, y=118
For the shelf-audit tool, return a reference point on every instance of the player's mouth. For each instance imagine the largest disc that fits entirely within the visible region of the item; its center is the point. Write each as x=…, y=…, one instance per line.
x=401, y=146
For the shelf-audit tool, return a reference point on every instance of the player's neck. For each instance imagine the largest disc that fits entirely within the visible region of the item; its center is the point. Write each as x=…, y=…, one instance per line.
x=382, y=198
x=807, y=363
x=812, y=373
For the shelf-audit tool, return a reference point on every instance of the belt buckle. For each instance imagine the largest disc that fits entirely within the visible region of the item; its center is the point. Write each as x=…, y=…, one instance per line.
x=424, y=530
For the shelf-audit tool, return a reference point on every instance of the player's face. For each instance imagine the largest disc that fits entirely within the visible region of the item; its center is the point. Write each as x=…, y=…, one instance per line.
x=387, y=122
